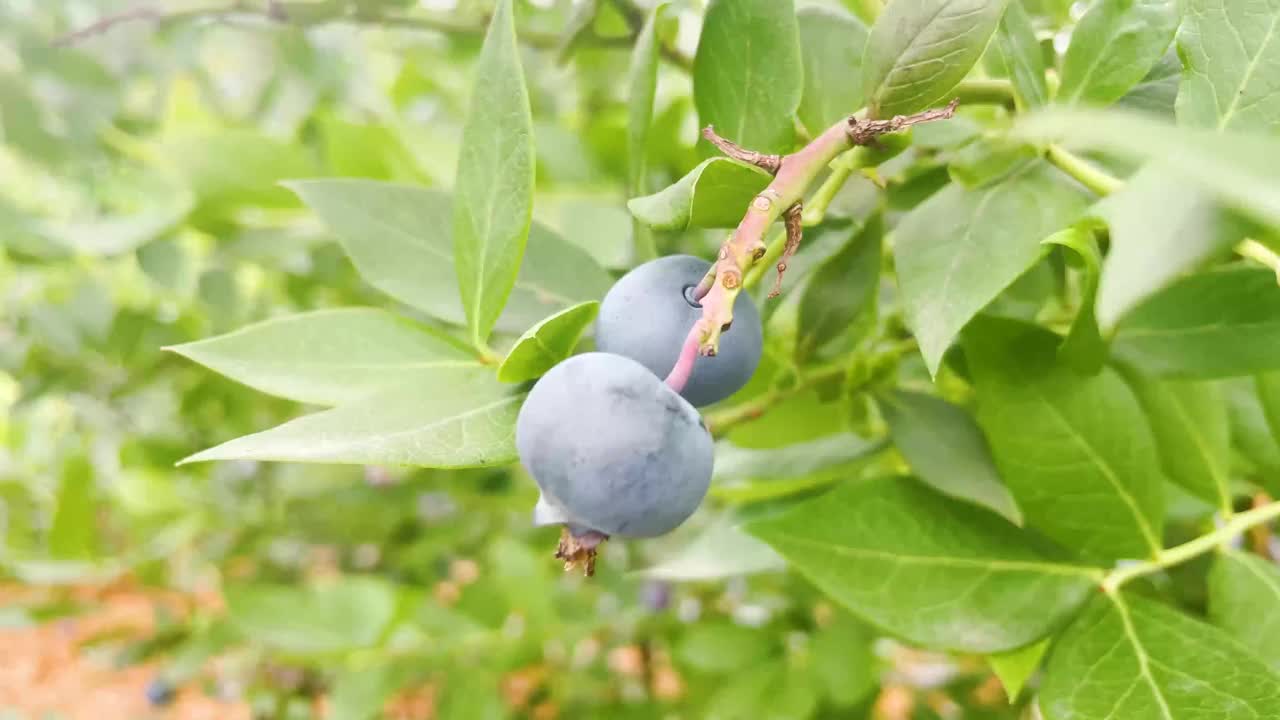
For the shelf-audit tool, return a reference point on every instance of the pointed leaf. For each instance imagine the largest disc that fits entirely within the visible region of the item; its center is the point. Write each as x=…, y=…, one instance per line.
x=1075, y=451
x=74, y=528
x=442, y=422
x=1133, y=658
x=747, y=74
x=493, y=191
x=1189, y=420
x=920, y=49
x=547, y=343
x=1215, y=324
x=713, y=194
x=1113, y=47
x=960, y=248
x=399, y=238
x=329, y=357
x=832, y=43
x=1244, y=600
x=1015, y=667
x=939, y=572
x=642, y=84
x=947, y=450
x=1016, y=39
x=1231, y=54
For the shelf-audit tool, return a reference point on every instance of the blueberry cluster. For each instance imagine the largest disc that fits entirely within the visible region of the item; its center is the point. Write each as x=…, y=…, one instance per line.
x=614, y=450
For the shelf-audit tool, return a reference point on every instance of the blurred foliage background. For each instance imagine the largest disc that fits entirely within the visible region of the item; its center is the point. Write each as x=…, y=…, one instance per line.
x=140, y=207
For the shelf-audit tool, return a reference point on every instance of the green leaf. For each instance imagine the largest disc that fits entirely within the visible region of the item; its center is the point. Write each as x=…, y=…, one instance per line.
x=1016, y=39
x=920, y=49
x=331, y=357
x=986, y=161
x=360, y=694
x=1084, y=349
x=1015, y=667
x=842, y=290
x=642, y=84
x=946, y=449
x=351, y=613
x=1158, y=91
x=442, y=421
x=1076, y=452
x=721, y=551
x=722, y=648
x=1161, y=228
x=1251, y=435
x=1238, y=168
x=1231, y=57
x=939, y=572
x=1214, y=324
x=748, y=74
x=1269, y=398
x=1189, y=421
x=399, y=238
x=229, y=168
x=1244, y=600
x=1113, y=47
x=74, y=528
x=1133, y=658
x=547, y=343
x=493, y=190
x=961, y=248
x=713, y=194
x=113, y=233
x=843, y=660
x=831, y=44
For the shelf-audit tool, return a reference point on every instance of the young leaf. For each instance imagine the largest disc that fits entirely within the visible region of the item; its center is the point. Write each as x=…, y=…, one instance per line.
x=920, y=49
x=642, y=83
x=1189, y=420
x=831, y=43
x=329, y=357
x=1161, y=228
x=1244, y=600
x=1215, y=324
x=713, y=194
x=1231, y=54
x=442, y=421
x=959, y=249
x=842, y=290
x=547, y=343
x=1134, y=658
x=747, y=75
x=493, y=199
x=1016, y=39
x=939, y=572
x=945, y=448
x=1076, y=452
x=399, y=238
x=74, y=528
x=352, y=613
x=1238, y=168
x=1113, y=47
x=1084, y=349
x=1015, y=667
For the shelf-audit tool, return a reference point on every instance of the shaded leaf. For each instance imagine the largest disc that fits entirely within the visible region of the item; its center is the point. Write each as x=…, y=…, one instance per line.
x=722, y=647
x=1251, y=435
x=939, y=572
x=842, y=290
x=1113, y=47
x=1244, y=600
x=920, y=49
x=1016, y=39
x=1158, y=91
x=1133, y=658
x=642, y=84
x=329, y=357
x=493, y=190
x=713, y=194
x=748, y=74
x=1231, y=59
x=351, y=613
x=843, y=660
x=959, y=249
x=1215, y=324
x=547, y=343
x=1083, y=349
x=1076, y=452
x=721, y=551
x=1189, y=421
x=831, y=44
x=946, y=449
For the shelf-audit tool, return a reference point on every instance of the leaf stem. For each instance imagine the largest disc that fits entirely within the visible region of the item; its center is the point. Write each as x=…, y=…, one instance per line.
x=1091, y=176
x=985, y=91
x=1260, y=253
x=721, y=422
x=1188, y=550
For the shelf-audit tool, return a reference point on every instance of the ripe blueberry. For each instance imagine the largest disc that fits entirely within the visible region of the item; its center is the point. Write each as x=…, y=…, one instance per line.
x=612, y=448
x=646, y=316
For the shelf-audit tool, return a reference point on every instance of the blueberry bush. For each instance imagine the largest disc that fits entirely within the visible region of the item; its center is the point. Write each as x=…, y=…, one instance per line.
x=907, y=359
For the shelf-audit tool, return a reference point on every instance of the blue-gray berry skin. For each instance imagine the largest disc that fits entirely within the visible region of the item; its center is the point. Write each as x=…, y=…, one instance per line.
x=613, y=448
x=646, y=317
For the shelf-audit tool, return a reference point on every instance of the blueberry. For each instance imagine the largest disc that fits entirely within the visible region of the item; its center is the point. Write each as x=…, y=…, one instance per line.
x=612, y=448
x=159, y=692
x=646, y=316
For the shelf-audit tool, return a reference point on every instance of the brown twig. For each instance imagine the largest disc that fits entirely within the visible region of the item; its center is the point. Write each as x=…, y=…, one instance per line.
x=768, y=163
x=795, y=232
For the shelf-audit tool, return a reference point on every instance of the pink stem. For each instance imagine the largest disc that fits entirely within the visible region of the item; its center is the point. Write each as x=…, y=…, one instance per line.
x=679, y=375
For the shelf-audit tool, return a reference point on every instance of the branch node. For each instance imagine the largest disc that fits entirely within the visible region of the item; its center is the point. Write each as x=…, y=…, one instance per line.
x=764, y=161
x=865, y=132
